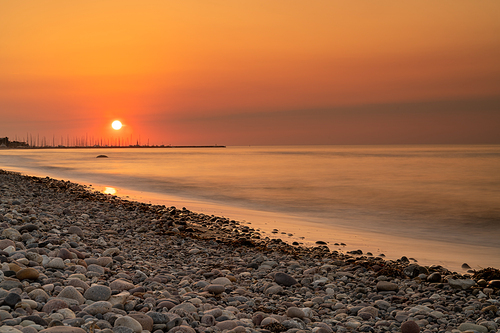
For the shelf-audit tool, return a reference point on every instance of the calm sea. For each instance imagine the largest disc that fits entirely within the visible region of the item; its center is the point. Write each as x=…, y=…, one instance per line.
x=443, y=193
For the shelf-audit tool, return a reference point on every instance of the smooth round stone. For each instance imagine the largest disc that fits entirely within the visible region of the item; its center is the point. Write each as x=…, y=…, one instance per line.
x=215, y=289
x=78, y=276
x=98, y=307
x=120, y=285
x=95, y=268
x=98, y=293
x=434, y=277
x=294, y=312
x=54, y=305
x=226, y=325
x=63, y=329
x=10, y=284
x=352, y=324
x=11, y=234
x=28, y=273
x=386, y=286
x=39, y=295
x=208, y=320
x=113, y=251
x=273, y=290
x=10, y=249
x=64, y=254
x=223, y=281
x=77, y=283
x=494, y=284
x=75, y=230
x=214, y=312
x=122, y=329
x=182, y=329
x=410, y=327
x=158, y=317
x=67, y=313
x=381, y=304
x=37, y=320
x=9, y=329
x=104, y=261
x=268, y=320
x=56, y=263
x=71, y=293
x=323, y=328
x=5, y=315
x=12, y=299
x=284, y=279
x=370, y=310
x=129, y=322
x=143, y=319
x=186, y=306
x=4, y=243
x=29, y=329
x=472, y=327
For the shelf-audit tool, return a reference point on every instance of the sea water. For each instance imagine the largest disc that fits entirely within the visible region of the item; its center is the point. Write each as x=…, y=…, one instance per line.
x=441, y=194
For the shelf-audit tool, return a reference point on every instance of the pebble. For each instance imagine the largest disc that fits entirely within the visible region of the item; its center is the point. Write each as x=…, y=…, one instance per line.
x=386, y=286
x=410, y=326
x=129, y=322
x=97, y=293
x=284, y=279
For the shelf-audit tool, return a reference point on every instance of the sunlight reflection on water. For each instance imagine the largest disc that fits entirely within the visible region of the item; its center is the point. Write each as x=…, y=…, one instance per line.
x=109, y=190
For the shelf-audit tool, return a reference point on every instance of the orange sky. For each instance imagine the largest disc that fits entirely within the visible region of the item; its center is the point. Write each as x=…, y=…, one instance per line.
x=252, y=72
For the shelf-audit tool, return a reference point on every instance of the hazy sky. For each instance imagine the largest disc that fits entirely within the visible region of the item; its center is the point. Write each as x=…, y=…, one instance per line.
x=252, y=72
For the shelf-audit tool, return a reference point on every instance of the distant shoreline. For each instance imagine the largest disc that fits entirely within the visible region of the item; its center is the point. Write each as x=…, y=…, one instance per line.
x=108, y=147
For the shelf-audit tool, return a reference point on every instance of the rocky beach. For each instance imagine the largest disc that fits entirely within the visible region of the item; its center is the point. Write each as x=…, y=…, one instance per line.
x=75, y=260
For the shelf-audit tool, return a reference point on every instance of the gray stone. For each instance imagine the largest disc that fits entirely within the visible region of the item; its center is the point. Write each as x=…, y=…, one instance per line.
x=63, y=329
x=98, y=307
x=129, y=322
x=12, y=299
x=11, y=234
x=158, y=317
x=186, y=306
x=56, y=263
x=463, y=284
x=386, y=286
x=472, y=327
x=121, y=285
x=215, y=289
x=54, y=305
x=76, y=230
x=71, y=293
x=98, y=293
x=223, y=281
x=182, y=329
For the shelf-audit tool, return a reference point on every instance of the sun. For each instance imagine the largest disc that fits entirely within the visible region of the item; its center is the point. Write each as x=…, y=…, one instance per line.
x=116, y=125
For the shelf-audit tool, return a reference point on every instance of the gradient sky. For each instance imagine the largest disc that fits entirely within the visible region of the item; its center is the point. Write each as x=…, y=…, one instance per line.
x=252, y=72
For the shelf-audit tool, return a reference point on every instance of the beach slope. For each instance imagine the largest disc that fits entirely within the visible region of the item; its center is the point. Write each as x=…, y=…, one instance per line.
x=76, y=260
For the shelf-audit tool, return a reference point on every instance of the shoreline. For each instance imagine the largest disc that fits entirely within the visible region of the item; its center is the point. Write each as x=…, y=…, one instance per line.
x=174, y=270
x=307, y=231
x=422, y=248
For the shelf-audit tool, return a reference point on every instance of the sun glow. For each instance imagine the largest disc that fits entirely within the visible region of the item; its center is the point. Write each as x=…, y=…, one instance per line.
x=116, y=125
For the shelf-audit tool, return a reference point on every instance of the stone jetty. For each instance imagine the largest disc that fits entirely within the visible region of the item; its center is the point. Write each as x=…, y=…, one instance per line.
x=74, y=260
